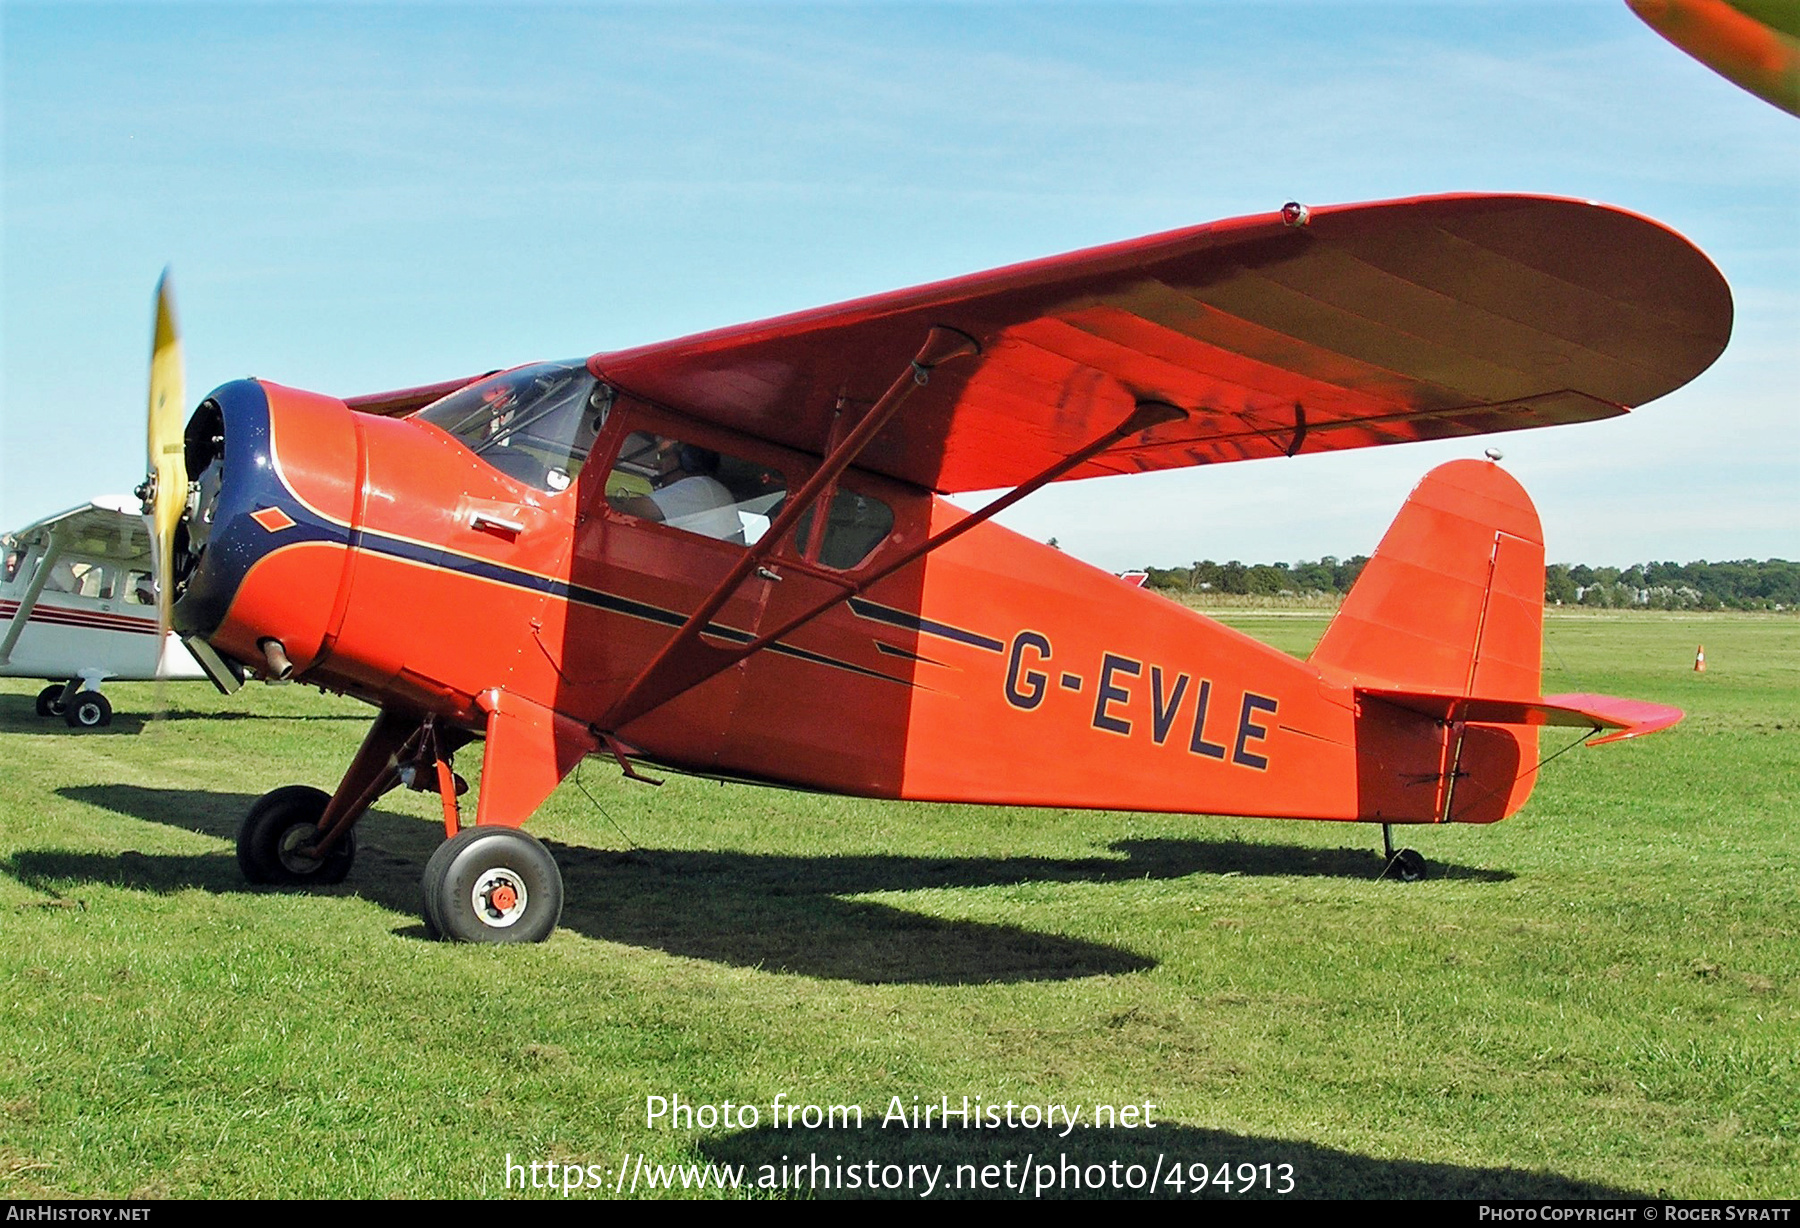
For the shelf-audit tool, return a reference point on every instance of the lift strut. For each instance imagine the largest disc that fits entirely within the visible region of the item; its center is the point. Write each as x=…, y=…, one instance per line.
x=686, y=660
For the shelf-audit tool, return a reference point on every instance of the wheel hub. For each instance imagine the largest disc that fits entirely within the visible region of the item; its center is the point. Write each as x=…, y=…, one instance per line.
x=296, y=849
x=499, y=897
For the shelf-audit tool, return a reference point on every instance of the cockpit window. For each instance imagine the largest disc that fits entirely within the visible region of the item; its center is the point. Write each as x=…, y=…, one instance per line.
x=534, y=423
x=855, y=525
x=694, y=488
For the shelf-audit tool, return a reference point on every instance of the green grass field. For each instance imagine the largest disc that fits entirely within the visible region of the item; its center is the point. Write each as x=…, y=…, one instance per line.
x=1597, y=997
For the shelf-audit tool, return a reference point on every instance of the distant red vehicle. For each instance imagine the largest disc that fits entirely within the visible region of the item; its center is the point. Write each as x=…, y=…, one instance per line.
x=731, y=555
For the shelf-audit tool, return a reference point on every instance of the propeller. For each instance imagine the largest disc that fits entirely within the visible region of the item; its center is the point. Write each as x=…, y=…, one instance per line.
x=165, y=491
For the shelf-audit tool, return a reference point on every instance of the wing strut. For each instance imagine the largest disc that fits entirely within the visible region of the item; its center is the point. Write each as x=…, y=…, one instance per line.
x=53, y=549
x=686, y=661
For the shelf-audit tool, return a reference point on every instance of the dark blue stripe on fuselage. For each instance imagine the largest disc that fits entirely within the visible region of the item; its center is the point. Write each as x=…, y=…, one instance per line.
x=397, y=547
x=581, y=595
x=909, y=621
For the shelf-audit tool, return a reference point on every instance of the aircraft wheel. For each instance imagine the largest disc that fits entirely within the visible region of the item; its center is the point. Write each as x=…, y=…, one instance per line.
x=274, y=833
x=88, y=710
x=492, y=884
x=50, y=700
x=1407, y=866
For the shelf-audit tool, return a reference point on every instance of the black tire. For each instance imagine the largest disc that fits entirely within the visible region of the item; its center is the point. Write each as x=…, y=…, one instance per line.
x=1407, y=866
x=278, y=824
x=434, y=885
x=50, y=700
x=492, y=884
x=87, y=710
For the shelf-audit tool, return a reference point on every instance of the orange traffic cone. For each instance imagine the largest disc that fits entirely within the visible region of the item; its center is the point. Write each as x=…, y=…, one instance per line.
x=1700, y=659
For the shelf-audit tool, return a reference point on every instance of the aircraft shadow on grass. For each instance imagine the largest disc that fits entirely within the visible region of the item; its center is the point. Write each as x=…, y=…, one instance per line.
x=781, y=913
x=1318, y=1171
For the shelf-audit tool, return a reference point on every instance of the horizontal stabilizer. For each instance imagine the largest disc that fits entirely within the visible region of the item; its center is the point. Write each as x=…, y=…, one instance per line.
x=1626, y=718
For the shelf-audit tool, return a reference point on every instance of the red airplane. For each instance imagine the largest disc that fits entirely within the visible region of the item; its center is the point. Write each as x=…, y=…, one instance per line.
x=730, y=554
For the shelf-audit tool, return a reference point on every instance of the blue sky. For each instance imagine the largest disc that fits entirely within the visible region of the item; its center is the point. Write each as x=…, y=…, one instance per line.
x=359, y=197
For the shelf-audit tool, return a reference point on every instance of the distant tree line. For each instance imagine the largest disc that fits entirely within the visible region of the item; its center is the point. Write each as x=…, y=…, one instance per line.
x=1746, y=584
x=1327, y=576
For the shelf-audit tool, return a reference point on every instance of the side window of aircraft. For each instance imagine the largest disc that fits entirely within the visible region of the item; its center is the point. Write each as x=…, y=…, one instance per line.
x=139, y=590
x=689, y=487
x=535, y=423
x=80, y=578
x=14, y=558
x=856, y=524
x=62, y=577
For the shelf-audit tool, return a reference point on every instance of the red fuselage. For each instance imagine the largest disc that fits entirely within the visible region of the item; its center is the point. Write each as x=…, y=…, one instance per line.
x=394, y=564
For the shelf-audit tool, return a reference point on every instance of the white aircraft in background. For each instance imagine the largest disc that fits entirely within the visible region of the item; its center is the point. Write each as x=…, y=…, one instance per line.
x=78, y=606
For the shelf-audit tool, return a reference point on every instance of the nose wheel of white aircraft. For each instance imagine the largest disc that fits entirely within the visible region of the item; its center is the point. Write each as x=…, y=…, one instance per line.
x=492, y=884
x=275, y=840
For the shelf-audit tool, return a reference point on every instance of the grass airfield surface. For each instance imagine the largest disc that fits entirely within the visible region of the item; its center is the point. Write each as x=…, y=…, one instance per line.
x=1597, y=997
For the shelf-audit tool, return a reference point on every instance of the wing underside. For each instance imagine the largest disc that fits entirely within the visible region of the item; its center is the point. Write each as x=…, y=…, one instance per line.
x=1365, y=325
x=110, y=527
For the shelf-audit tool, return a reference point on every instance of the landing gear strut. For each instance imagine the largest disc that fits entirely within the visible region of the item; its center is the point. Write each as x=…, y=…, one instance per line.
x=1406, y=864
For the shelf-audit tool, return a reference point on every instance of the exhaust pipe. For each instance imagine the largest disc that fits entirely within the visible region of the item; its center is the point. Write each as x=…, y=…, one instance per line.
x=280, y=668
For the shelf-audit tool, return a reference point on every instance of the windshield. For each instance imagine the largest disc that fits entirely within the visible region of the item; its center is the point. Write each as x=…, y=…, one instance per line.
x=535, y=423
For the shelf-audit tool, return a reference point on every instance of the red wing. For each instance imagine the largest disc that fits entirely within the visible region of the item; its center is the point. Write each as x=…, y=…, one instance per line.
x=1370, y=324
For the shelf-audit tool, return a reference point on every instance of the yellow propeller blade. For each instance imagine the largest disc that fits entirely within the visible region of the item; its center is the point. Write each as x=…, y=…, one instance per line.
x=168, y=462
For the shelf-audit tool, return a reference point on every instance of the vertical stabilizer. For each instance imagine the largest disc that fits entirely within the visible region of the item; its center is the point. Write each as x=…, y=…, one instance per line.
x=1452, y=603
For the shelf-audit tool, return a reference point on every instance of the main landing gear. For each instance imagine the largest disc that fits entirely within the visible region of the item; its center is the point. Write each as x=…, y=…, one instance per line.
x=483, y=884
x=1405, y=865
x=80, y=709
x=278, y=839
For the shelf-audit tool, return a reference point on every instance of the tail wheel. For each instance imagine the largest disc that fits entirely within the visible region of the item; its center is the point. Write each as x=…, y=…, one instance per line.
x=492, y=884
x=275, y=839
x=1407, y=866
x=87, y=710
x=50, y=700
